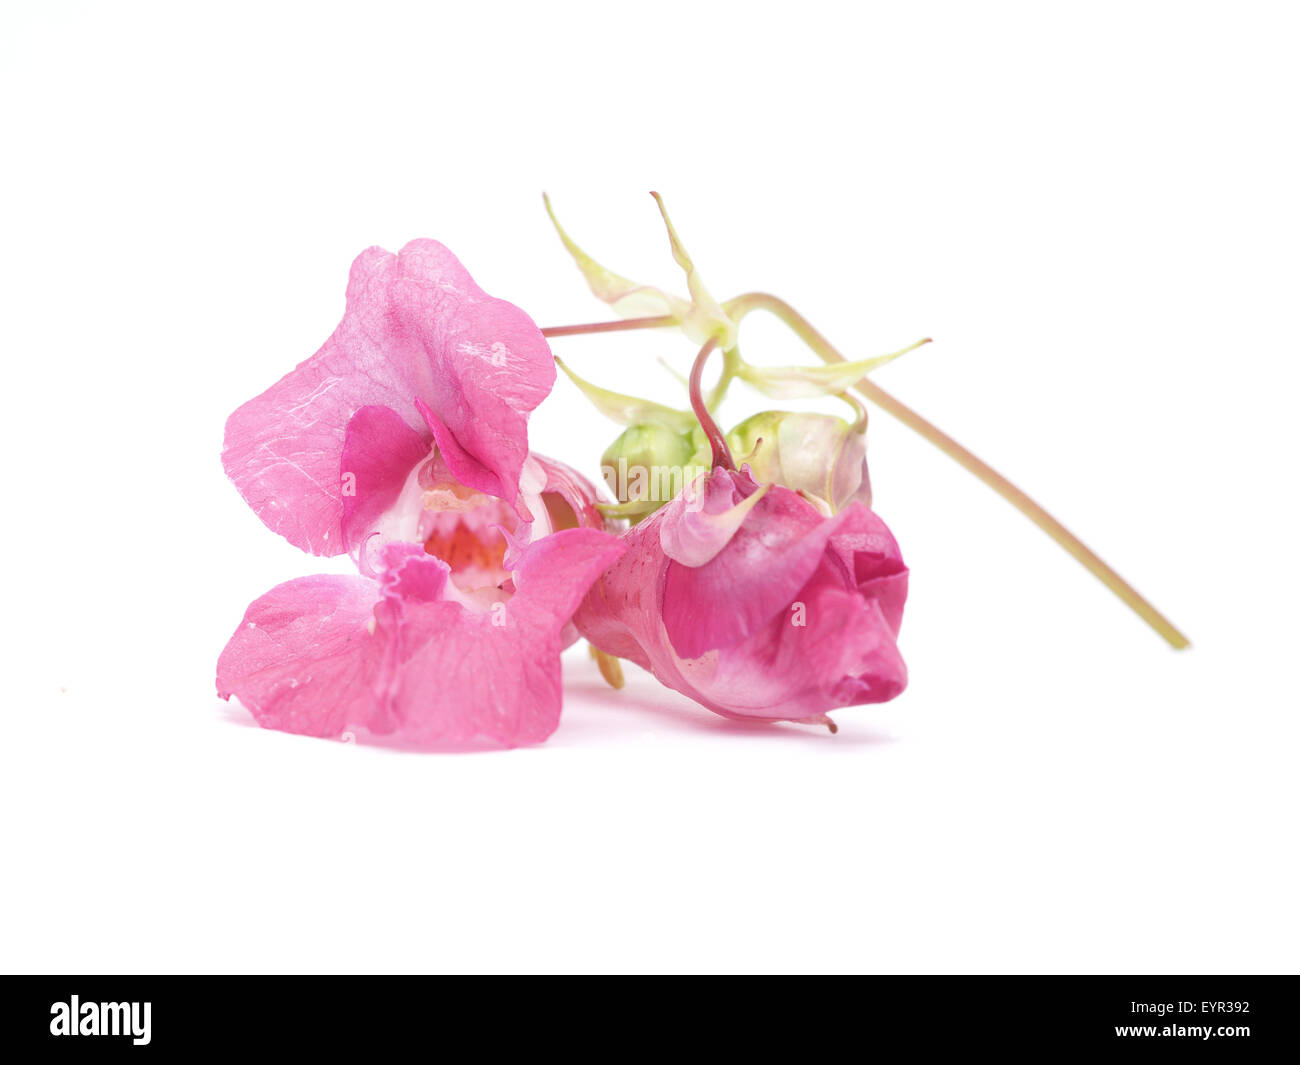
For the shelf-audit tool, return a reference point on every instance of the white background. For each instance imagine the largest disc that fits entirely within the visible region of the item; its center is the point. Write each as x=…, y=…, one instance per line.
x=1092, y=209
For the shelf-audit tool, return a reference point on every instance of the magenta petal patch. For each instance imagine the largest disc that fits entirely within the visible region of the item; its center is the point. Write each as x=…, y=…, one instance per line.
x=466, y=468
x=766, y=560
x=870, y=553
x=842, y=654
x=379, y=452
x=413, y=576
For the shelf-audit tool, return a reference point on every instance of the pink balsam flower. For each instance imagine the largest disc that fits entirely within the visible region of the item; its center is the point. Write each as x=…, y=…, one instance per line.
x=403, y=442
x=412, y=655
x=750, y=600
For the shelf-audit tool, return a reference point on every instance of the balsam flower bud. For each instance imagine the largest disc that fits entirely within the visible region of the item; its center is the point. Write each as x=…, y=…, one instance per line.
x=649, y=464
x=744, y=597
x=822, y=457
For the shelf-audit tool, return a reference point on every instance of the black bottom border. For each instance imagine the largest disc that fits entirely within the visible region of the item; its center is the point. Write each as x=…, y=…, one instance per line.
x=1131, y=1015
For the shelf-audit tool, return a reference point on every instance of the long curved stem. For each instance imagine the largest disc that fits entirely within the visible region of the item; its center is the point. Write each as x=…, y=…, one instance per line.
x=742, y=305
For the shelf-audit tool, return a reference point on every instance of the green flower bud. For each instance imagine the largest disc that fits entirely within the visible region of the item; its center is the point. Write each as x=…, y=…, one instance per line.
x=819, y=455
x=649, y=464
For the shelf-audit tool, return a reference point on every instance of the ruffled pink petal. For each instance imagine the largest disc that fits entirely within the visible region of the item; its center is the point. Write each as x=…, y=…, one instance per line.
x=412, y=655
x=305, y=658
x=283, y=447
x=379, y=452
x=490, y=365
x=462, y=676
x=411, y=575
x=416, y=326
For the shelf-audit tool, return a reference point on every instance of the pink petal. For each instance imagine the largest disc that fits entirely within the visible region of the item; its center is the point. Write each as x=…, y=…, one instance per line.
x=843, y=654
x=413, y=576
x=416, y=326
x=570, y=502
x=870, y=553
x=701, y=521
x=570, y=499
x=623, y=613
x=462, y=676
x=489, y=362
x=304, y=658
x=467, y=469
x=767, y=560
x=406, y=654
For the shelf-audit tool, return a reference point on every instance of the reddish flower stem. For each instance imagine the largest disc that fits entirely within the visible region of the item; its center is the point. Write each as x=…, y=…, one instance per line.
x=718, y=442
x=609, y=327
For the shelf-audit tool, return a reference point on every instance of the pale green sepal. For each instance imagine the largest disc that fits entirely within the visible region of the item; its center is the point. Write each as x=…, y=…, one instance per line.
x=806, y=382
x=631, y=410
x=706, y=319
x=628, y=298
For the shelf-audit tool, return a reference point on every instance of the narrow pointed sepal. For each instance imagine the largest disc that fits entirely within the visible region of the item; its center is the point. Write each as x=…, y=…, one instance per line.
x=630, y=410
x=806, y=382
